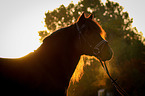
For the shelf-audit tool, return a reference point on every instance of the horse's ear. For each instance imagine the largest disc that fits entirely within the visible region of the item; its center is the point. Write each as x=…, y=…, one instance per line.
x=82, y=18
x=91, y=16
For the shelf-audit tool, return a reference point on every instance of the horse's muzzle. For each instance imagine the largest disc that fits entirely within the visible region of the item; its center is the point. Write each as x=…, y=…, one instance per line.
x=106, y=53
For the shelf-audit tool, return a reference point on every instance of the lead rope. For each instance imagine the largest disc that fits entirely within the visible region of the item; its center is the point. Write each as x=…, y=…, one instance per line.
x=115, y=84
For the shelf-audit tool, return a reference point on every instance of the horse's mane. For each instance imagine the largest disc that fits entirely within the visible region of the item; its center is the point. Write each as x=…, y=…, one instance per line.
x=60, y=33
x=92, y=23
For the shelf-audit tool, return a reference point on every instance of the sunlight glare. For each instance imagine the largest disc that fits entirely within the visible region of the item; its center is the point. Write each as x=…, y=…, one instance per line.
x=20, y=23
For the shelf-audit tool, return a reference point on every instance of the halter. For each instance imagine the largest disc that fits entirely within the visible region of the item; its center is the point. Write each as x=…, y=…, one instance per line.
x=102, y=42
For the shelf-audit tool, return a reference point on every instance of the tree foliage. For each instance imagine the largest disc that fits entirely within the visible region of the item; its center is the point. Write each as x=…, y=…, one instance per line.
x=127, y=43
x=43, y=34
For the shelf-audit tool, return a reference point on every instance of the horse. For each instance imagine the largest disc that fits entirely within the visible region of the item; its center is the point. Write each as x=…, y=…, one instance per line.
x=47, y=70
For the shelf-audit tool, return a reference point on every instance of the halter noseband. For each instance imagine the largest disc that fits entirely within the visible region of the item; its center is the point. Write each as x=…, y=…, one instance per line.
x=102, y=42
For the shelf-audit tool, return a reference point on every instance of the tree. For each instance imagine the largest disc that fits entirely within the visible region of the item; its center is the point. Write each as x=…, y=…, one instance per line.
x=126, y=42
x=43, y=34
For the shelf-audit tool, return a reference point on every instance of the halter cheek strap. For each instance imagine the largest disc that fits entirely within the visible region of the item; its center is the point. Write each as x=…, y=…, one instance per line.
x=79, y=29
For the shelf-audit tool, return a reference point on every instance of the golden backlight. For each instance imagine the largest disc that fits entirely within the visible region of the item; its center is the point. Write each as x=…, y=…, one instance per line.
x=20, y=22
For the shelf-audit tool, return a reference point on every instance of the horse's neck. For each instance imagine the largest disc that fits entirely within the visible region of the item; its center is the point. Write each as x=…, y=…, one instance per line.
x=63, y=50
x=59, y=49
x=54, y=61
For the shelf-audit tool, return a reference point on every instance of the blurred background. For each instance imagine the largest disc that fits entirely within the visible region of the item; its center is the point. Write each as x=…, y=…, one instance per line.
x=24, y=25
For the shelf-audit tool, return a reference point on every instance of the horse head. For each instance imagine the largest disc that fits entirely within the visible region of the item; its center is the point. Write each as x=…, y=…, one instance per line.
x=92, y=38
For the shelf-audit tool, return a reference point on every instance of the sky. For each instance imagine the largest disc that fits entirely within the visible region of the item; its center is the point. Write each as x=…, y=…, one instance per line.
x=20, y=21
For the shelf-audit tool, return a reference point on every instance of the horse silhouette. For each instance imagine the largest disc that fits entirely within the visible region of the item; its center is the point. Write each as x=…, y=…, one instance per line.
x=47, y=71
